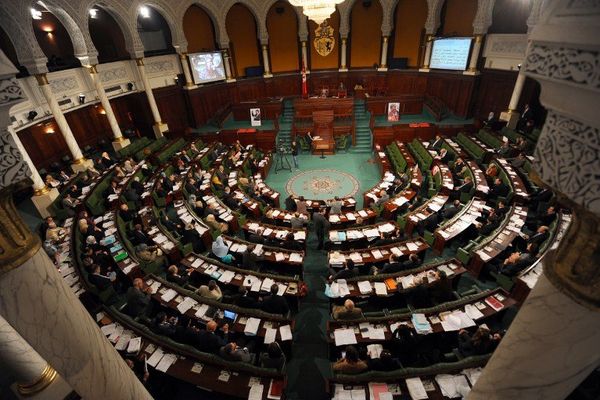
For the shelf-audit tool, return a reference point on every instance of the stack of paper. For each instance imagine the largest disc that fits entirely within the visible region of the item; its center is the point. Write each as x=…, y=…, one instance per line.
x=453, y=386
x=416, y=389
x=344, y=337
x=421, y=324
x=252, y=326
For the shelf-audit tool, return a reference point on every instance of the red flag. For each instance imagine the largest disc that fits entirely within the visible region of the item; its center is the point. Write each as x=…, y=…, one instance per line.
x=304, y=85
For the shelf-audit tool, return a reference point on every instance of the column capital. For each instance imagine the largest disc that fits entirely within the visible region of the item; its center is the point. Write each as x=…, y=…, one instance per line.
x=92, y=69
x=16, y=240
x=139, y=61
x=183, y=55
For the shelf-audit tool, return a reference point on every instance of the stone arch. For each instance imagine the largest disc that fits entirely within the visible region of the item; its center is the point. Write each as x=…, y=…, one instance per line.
x=178, y=40
x=28, y=50
x=212, y=12
x=133, y=44
x=83, y=47
x=261, y=25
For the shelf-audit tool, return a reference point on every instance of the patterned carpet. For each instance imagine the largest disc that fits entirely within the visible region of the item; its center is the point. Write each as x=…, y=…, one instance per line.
x=322, y=184
x=321, y=179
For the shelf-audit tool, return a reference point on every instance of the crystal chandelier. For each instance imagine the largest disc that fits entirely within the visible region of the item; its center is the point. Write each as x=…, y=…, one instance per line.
x=317, y=10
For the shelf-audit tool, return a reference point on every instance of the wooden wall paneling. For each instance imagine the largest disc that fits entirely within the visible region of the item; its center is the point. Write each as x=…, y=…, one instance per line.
x=43, y=149
x=494, y=89
x=172, y=108
x=89, y=126
x=133, y=111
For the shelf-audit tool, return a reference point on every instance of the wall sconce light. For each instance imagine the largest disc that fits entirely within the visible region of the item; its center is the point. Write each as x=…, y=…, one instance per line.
x=81, y=98
x=145, y=12
x=93, y=13
x=101, y=110
x=32, y=114
x=35, y=14
x=49, y=129
x=130, y=86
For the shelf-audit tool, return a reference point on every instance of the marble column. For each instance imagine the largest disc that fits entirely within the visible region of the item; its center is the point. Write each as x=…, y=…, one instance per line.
x=511, y=116
x=43, y=195
x=187, y=73
x=474, y=58
x=343, y=58
x=80, y=163
x=35, y=378
x=552, y=345
x=228, y=66
x=427, y=57
x=43, y=309
x=305, y=56
x=265, y=56
x=119, y=141
x=384, y=52
x=159, y=127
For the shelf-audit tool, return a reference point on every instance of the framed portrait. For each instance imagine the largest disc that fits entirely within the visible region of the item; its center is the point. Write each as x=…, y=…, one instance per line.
x=255, y=117
x=393, y=112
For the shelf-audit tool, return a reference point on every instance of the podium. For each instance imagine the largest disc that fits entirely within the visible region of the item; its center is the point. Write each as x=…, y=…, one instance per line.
x=323, y=123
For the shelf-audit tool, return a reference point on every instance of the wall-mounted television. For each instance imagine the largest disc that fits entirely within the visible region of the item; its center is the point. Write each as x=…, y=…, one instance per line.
x=450, y=53
x=207, y=67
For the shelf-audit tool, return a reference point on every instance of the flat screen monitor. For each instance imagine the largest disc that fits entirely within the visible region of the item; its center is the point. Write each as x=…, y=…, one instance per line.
x=207, y=67
x=450, y=53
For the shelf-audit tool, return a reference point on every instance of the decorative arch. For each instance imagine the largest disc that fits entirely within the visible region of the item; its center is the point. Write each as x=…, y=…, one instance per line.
x=178, y=40
x=243, y=36
x=283, y=34
x=120, y=14
x=212, y=11
x=83, y=47
x=365, y=36
x=28, y=50
x=259, y=17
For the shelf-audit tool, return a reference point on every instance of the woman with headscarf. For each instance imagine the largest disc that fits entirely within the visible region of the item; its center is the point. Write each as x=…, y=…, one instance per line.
x=221, y=250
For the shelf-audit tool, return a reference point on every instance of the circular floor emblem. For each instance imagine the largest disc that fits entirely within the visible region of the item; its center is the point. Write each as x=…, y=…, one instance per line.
x=322, y=184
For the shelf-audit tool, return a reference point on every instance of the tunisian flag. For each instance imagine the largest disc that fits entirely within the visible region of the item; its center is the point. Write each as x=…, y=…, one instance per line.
x=304, y=85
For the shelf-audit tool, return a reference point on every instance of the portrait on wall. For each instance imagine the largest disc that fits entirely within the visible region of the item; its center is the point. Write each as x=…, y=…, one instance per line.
x=393, y=112
x=255, y=117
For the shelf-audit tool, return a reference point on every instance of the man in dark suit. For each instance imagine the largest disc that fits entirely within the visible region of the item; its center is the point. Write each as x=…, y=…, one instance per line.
x=275, y=304
x=413, y=262
x=209, y=340
x=451, y=210
x=244, y=299
x=437, y=143
x=347, y=272
x=466, y=187
x=229, y=200
x=175, y=276
x=249, y=259
x=517, y=261
x=321, y=226
x=490, y=225
x=97, y=279
x=137, y=186
x=392, y=266
x=539, y=236
x=499, y=189
x=139, y=237
x=138, y=298
x=290, y=203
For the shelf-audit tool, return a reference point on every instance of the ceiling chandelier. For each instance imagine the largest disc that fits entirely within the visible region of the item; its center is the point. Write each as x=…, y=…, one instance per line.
x=317, y=10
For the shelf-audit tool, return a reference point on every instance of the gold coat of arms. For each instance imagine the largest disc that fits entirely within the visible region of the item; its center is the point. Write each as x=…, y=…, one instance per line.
x=324, y=41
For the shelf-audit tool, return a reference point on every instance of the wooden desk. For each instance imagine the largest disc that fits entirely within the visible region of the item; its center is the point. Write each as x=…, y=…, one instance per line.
x=368, y=256
x=387, y=321
x=499, y=240
x=270, y=108
x=431, y=206
x=405, y=281
x=458, y=224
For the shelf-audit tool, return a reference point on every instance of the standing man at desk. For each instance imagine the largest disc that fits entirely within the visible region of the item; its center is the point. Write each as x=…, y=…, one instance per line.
x=321, y=226
x=295, y=153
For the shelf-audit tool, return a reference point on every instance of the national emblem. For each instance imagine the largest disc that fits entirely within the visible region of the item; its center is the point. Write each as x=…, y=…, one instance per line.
x=324, y=40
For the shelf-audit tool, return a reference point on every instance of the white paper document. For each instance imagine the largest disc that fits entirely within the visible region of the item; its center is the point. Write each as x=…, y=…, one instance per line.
x=344, y=337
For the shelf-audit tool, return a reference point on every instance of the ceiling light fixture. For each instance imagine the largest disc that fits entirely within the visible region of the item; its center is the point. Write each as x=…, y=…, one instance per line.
x=93, y=13
x=317, y=10
x=145, y=11
x=35, y=14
